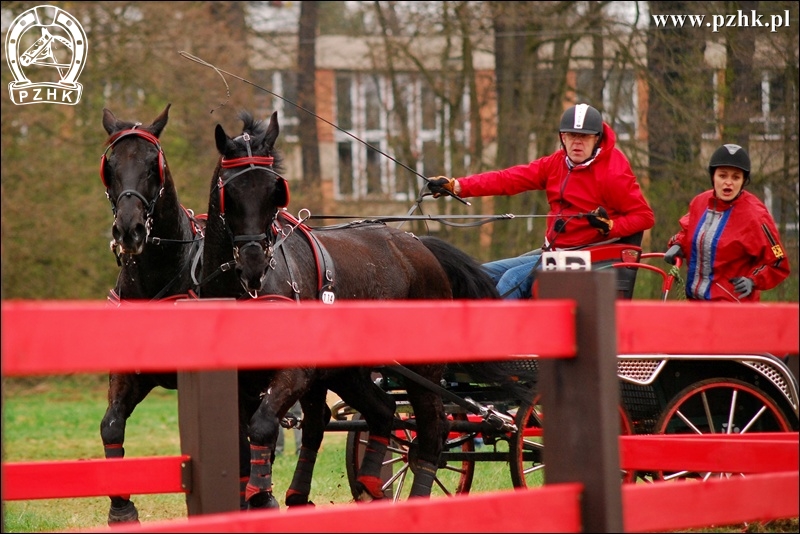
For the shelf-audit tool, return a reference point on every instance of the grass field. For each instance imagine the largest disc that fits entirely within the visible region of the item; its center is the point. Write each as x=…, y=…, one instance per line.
x=58, y=418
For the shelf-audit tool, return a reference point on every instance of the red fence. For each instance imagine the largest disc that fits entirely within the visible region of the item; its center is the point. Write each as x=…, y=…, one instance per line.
x=66, y=337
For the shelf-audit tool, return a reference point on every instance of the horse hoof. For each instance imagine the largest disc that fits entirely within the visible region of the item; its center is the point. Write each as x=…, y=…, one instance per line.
x=365, y=495
x=126, y=514
x=297, y=499
x=262, y=501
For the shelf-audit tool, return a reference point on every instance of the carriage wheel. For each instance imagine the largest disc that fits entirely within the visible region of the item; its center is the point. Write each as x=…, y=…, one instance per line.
x=526, y=447
x=719, y=406
x=452, y=477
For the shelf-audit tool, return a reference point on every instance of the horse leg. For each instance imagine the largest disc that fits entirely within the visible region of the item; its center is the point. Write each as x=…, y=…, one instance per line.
x=432, y=430
x=125, y=391
x=316, y=415
x=284, y=390
x=377, y=407
x=249, y=400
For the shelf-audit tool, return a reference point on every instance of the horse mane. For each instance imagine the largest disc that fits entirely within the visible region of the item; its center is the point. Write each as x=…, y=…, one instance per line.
x=257, y=129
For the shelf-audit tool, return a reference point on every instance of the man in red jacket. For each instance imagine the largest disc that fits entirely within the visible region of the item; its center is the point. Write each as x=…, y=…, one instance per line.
x=729, y=236
x=593, y=194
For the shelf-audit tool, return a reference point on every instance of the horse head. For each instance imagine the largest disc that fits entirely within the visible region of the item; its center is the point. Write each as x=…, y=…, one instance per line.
x=251, y=191
x=134, y=172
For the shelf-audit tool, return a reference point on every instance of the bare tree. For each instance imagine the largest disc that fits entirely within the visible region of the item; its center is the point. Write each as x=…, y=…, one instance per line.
x=677, y=89
x=306, y=98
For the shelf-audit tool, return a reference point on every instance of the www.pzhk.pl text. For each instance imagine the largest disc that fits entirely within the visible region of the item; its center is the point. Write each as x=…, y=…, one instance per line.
x=740, y=19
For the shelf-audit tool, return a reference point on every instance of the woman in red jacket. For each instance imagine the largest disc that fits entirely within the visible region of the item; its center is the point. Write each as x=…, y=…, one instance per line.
x=593, y=195
x=729, y=236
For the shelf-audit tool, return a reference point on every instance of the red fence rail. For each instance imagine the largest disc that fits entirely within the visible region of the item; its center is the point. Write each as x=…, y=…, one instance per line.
x=66, y=337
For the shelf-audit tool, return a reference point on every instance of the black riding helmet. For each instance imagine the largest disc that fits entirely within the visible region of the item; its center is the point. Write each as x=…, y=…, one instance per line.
x=581, y=118
x=584, y=119
x=730, y=155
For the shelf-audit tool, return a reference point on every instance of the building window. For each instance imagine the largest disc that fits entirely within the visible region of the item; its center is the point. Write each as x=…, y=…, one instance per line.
x=345, y=182
x=366, y=109
x=774, y=99
x=619, y=100
x=344, y=102
x=283, y=83
x=711, y=100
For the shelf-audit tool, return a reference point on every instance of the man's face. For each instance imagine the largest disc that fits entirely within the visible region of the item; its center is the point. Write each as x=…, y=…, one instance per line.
x=579, y=146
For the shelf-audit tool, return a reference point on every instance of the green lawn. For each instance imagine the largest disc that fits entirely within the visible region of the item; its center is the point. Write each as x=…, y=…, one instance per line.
x=59, y=419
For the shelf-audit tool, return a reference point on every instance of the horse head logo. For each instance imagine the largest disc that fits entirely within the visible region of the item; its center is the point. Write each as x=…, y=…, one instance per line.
x=46, y=40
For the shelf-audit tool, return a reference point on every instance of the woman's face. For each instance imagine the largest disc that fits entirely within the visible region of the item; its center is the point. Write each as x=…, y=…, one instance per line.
x=728, y=182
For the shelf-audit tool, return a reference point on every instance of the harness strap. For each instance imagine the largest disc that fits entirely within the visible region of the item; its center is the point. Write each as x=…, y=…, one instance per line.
x=322, y=258
x=292, y=281
x=325, y=269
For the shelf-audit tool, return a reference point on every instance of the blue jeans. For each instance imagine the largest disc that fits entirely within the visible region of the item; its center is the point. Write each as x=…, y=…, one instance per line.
x=513, y=275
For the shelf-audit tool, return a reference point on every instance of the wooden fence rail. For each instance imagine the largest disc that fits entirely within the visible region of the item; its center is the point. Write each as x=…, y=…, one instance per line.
x=749, y=453
x=577, y=332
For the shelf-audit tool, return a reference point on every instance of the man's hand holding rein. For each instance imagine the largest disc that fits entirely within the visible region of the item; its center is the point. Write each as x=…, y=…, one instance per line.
x=442, y=185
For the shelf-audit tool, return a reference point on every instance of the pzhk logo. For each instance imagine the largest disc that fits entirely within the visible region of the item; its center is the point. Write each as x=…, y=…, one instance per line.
x=50, y=45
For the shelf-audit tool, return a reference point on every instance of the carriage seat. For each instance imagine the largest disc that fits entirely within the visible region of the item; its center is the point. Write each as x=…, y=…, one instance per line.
x=624, y=250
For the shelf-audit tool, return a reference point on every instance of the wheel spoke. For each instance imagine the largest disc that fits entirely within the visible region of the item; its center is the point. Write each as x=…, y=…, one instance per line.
x=441, y=486
x=688, y=423
x=453, y=468
x=678, y=474
x=707, y=409
x=398, y=450
x=401, y=476
x=732, y=411
x=393, y=460
x=533, y=469
x=530, y=444
x=754, y=419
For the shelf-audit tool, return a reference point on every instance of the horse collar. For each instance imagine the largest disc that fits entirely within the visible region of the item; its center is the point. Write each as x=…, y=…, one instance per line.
x=322, y=259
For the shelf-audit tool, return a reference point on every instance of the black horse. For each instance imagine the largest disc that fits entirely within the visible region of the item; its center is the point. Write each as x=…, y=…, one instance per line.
x=156, y=242
x=255, y=249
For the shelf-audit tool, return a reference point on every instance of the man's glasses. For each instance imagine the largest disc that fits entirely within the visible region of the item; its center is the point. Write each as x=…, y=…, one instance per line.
x=571, y=136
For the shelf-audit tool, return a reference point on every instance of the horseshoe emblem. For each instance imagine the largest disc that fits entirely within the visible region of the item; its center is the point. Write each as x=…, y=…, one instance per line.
x=42, y=38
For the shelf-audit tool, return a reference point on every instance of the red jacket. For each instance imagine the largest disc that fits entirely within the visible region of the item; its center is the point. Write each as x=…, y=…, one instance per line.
x=725, y=240
x=607, y=181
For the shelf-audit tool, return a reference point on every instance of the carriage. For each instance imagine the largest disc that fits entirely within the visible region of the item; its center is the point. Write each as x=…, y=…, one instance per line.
x=488, y=421
x=660, y=394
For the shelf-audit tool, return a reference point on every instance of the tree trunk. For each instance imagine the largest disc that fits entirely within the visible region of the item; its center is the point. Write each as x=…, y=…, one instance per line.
x=676, y=68
x=311, y=187
x=743, y=85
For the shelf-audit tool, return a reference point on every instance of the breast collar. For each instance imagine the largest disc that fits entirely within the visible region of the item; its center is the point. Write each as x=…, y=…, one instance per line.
x=322, y=258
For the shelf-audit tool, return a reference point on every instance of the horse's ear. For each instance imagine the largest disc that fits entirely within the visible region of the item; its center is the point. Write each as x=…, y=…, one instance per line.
x=272, y=130
x=109, y=121
x=281, y=193
x=224, y=143
x=161, y=121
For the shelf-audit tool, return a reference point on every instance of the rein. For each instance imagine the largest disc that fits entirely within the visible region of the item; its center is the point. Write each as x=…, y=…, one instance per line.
x=190, y=262
x=443, y=219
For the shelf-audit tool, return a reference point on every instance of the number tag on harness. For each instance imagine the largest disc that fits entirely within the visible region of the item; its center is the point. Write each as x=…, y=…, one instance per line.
x=328, y=297
x=567, y=260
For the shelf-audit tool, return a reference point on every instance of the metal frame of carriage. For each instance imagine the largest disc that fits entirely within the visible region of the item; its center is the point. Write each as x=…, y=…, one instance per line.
x=660, y=393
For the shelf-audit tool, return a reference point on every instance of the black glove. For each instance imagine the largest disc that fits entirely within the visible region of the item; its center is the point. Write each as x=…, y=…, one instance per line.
x=742, y=285
x=599, y=219
x=442, y=185
x=675, y=251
